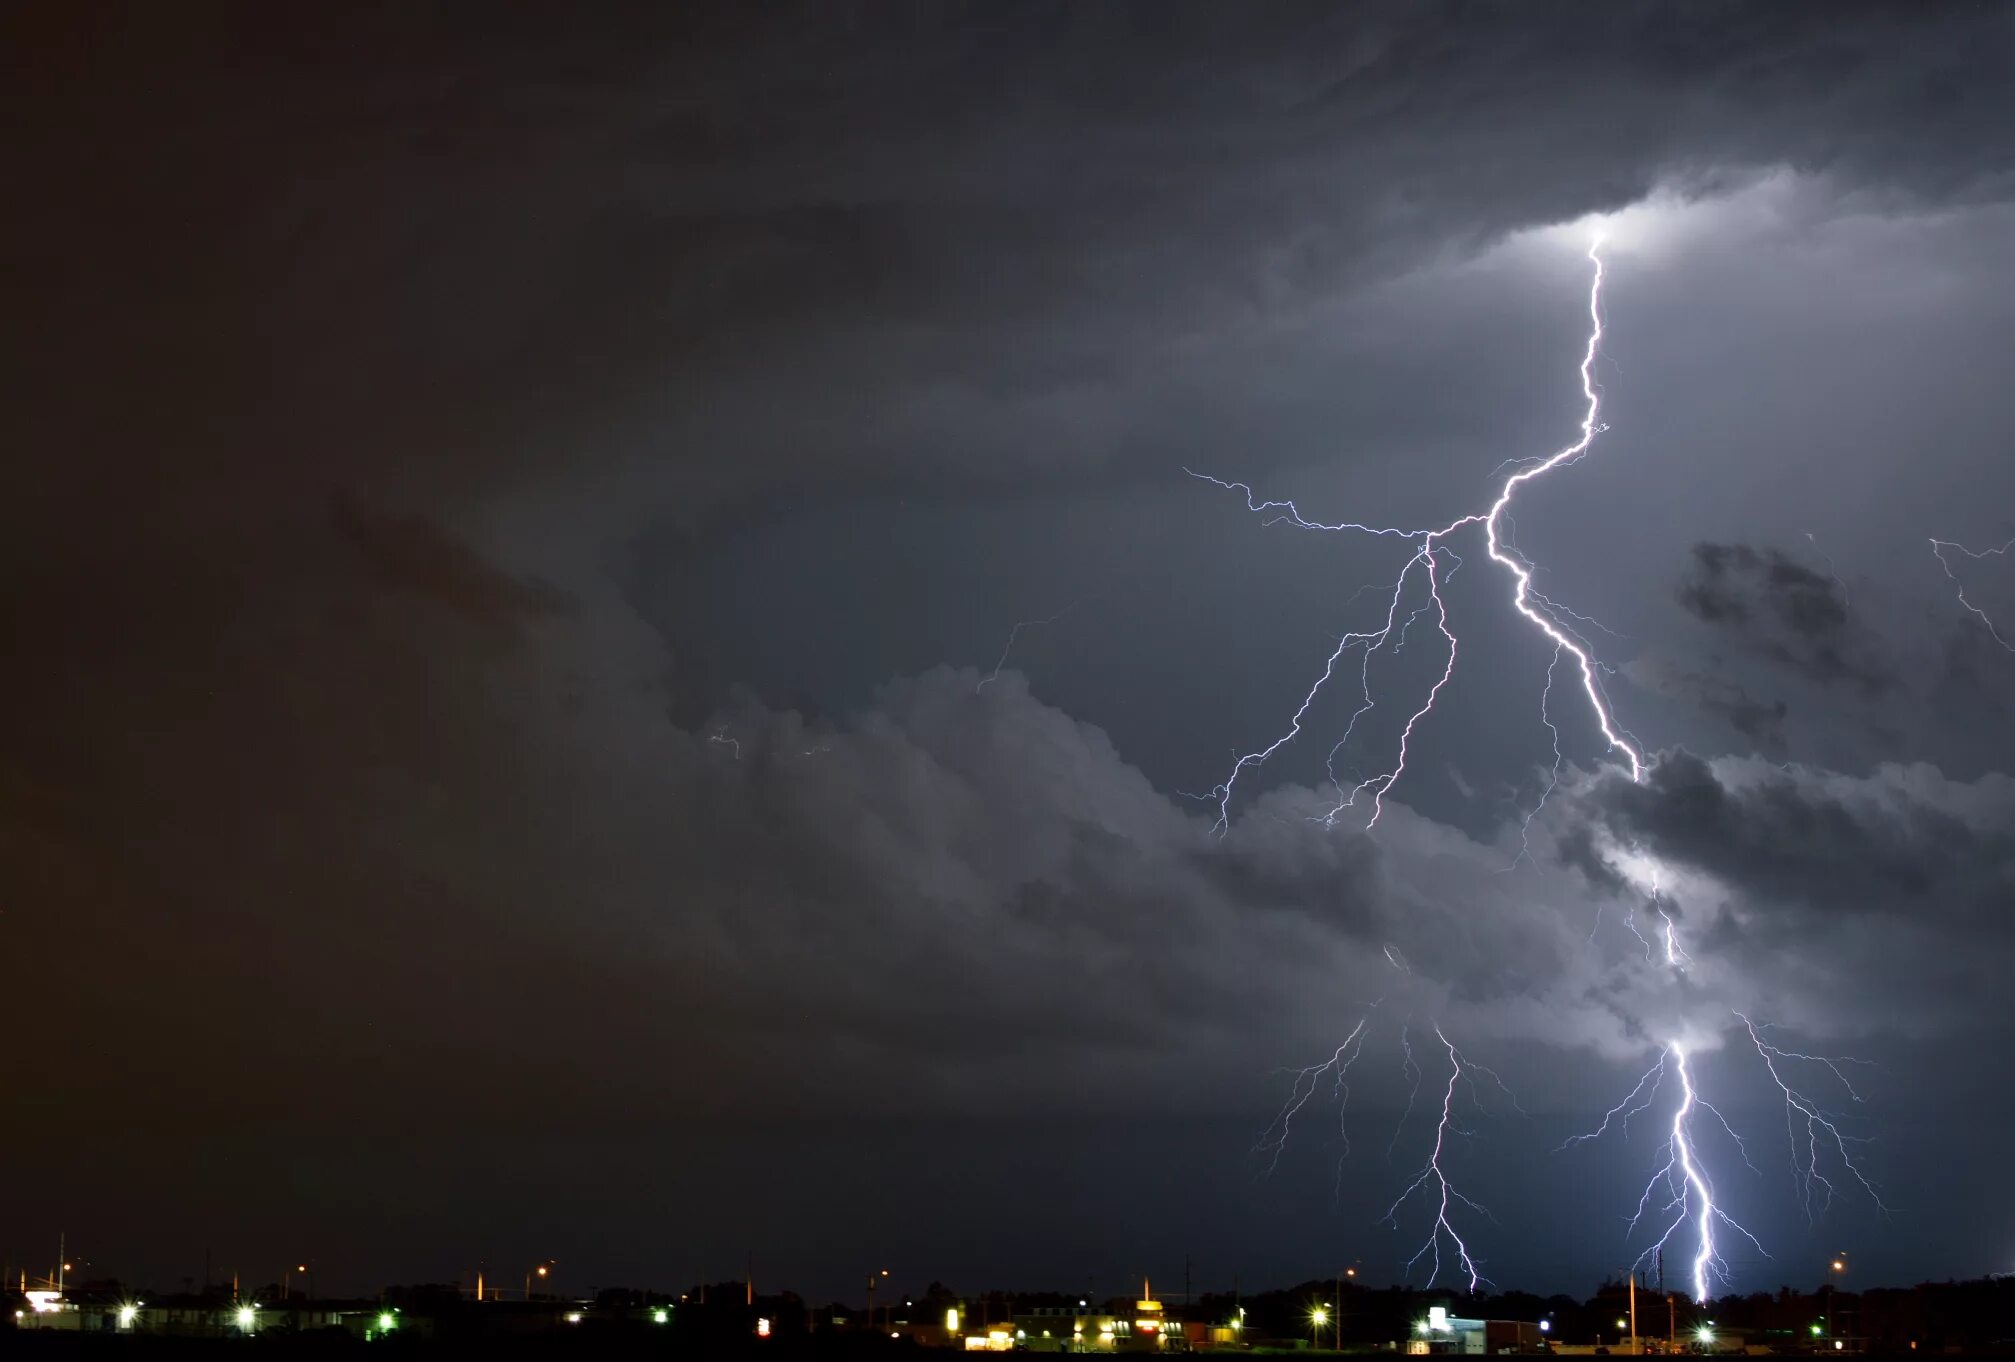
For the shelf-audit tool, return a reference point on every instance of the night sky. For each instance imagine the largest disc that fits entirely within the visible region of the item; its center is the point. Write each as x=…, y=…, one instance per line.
x=510, y=511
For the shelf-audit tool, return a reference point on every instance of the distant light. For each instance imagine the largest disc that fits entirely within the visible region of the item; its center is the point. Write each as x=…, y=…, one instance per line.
x=1839, y=1345
x=1319, y=1315
x=1081, y=1303
x=762, y=1328
x=573, y=1317
x=952, y=1319
x=1546, y=1326
x=127, y=1314
x=387, y=1321
x=660, y=1316
x=1437, y=1318
x=1625, y=1324
x=246, y=1315
x=1815, y=1331
x=1839, y=1266
x=1703, y=1334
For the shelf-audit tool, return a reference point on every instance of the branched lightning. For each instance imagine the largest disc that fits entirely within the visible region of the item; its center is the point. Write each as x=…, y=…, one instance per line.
x=1429, y=553
x=1810, y=1127
x=1679, y=1198
x=1306, y=1082
x=1679, y=1190
x=1432, y=1182
x=1938, y=547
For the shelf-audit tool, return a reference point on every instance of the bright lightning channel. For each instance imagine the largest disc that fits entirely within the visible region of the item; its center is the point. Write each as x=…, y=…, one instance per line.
x=1429, y=550
x=1681, y=1180
x=1938, y=547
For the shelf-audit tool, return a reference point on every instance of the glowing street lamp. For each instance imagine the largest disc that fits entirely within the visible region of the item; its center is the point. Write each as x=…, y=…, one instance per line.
x=542, y=1272
x=1316, y=1319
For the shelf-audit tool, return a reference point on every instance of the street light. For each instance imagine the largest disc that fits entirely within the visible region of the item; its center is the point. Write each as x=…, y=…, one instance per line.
x=1839, y=1267
x=541, y=1271
x=1316, y=1319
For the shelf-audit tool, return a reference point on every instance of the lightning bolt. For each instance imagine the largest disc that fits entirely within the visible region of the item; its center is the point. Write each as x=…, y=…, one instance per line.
x=1938, y=547
x=1432, y=1181
x=1306, y=1082
x=1819, y=1127
x=1680, y=1187
x=1008, y=647
x=1680, y=1192
x=1429, y=553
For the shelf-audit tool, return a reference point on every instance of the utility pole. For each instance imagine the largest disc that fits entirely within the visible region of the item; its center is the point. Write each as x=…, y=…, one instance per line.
x=1634, y=1345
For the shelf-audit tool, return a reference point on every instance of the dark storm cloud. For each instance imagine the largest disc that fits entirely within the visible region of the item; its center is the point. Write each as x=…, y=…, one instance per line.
x=1760, y=721
x=1904, y=842
x=1784, y=611
x=386, y=796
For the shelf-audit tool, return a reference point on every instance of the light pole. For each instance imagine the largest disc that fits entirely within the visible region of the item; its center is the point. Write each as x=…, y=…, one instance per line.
x=1838, y=1267
x=874, y=1278
x=1316, y=1319
x=1350, y=1272
x=542, y=1272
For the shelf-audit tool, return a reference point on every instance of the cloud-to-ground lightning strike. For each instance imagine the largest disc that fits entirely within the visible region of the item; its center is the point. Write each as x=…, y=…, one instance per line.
x=1680, y=1192
x=1938, y=547
x=1681, y=1179
x=1432, y=1181
x=1429, y=549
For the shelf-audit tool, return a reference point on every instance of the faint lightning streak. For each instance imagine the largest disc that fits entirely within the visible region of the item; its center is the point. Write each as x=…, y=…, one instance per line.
x=721, y=737
x=1372, y=639
x=1306, y=1081
x=1536, y=608
x=1831, y=570
x=1938, y=547
x=1407, y=1069
x=1552, y=777
x=1008, y=647
x=1819, y=1126
x=1655, y=1076
x=1433, y=1176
